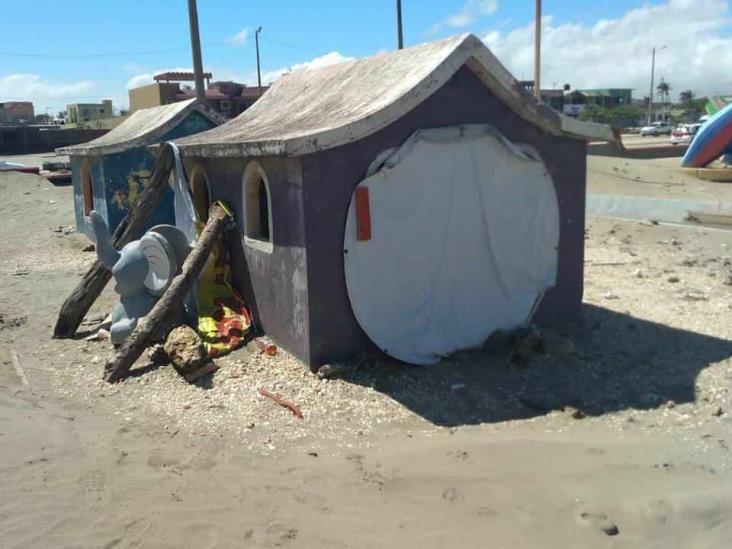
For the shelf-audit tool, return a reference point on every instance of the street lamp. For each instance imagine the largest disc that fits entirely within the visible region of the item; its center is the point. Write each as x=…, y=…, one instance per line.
x=653, y=70
x=259, y=73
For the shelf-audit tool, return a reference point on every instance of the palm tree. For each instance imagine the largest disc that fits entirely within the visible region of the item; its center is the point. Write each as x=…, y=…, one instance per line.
x=686, y=97
x=663, y=89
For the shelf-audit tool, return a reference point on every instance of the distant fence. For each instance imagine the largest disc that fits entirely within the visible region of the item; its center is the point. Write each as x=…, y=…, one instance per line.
x=29, y=140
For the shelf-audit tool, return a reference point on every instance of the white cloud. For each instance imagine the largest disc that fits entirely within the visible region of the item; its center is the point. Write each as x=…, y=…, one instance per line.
x=43, y=92
x=249, y=78
x=471, y=11
x=26, y=87
x=147, y=77
x=323, y=61
x=133, y=67
x=240, y=38
x=617, y=52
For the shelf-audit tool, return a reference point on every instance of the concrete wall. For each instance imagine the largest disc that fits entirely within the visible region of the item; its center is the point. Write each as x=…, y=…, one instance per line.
x=25, y=140
x=330, y=177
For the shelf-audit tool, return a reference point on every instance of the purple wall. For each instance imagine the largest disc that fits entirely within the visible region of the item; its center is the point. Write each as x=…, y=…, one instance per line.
x=274, y=284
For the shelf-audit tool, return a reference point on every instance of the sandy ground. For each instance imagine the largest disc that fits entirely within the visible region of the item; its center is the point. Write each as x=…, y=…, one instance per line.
x=618, y=437
x=34, y=160
x=658, y=178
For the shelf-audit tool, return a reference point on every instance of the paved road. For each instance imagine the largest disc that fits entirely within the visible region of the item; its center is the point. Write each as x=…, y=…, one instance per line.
x=36, y=160
x=635, y=140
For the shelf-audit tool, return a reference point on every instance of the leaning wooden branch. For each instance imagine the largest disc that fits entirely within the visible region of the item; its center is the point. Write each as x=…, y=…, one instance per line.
x=83, y=297
x=119, y=364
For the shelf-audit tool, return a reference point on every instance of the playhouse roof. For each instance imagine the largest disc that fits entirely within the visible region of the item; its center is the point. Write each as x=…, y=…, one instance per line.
x=310, y=110
x=143, y=127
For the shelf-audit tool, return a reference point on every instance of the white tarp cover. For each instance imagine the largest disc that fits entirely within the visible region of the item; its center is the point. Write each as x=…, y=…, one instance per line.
x=464, y=241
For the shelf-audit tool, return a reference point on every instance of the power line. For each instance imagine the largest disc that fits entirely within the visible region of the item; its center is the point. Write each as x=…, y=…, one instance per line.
x=89, y=55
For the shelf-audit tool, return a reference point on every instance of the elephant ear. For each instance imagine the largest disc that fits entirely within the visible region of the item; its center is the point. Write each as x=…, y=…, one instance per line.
x=105, y=250
x=161, y=260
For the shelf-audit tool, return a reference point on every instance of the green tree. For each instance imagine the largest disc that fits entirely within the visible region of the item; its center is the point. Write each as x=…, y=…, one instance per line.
x=624, y=116
x=686, y=97
x=42, y=119
x=595, y=113
x=663, y=89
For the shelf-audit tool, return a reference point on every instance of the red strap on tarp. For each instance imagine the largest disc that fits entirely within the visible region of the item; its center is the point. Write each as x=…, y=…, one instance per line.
x=363, y=214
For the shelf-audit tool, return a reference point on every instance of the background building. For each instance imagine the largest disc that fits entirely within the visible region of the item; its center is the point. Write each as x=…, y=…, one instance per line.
x=610, y=98
x=554, y=97
x=14, y=113
x=78, y=113
x=153, y=95
x=229, y=99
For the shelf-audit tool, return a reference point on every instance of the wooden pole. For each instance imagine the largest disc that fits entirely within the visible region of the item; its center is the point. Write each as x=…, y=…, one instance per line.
x=537, y=50
x=400, y=34
x=85, y=294
x=196, y=50
x=119, y=364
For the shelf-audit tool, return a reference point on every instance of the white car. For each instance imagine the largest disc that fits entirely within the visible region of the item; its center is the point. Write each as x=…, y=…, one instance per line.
x=657, y=128
x=684, y=134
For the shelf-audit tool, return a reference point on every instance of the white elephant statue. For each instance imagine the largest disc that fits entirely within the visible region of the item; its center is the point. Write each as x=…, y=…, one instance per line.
x=142, y=270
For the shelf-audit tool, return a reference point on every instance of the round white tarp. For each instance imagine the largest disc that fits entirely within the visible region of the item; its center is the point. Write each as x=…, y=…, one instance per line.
x=464, y=239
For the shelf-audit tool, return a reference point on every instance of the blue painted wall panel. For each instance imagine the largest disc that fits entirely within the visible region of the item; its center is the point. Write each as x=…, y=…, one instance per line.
x=118, y=179
x=96, y=170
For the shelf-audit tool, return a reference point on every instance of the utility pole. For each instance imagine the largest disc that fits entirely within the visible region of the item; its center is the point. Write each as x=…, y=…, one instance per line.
x=650, y=97
x=196, y=50
x=653, y=70
x=259, y=73
x=537, y=50
x=400, y=36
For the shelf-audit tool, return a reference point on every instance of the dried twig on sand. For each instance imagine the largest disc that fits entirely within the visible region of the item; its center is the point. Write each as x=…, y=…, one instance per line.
x=18, y=366
x=282, y=402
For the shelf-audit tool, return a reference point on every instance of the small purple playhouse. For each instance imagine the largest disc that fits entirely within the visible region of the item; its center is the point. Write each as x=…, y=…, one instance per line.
x=413, y=202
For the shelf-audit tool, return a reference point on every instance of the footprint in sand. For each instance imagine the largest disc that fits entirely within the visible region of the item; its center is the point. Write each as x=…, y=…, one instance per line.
x=486, y=512
x=452, y=495
x=458, y=455
x=278, y=533
x=599, y=521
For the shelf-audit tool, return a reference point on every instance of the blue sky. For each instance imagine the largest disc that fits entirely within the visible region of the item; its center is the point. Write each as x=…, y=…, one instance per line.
x=84, y=50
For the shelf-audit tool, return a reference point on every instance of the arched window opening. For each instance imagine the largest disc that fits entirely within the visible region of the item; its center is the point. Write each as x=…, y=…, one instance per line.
x=257, y=207
x=87, y=188
x=201, y=192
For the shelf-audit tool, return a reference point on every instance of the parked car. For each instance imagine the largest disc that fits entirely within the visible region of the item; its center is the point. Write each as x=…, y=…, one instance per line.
x=684, y=134
x=657, y=128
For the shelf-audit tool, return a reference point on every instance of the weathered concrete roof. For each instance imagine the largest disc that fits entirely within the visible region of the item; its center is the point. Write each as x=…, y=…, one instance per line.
x=315, y=109
x=142, y=127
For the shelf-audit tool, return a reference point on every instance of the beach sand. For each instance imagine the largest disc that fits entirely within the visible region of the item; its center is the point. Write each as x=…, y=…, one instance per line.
x=618, y=437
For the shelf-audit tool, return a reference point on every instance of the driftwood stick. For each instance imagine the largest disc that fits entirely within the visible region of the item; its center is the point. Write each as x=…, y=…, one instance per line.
x=18, y=365
x=148, y=327
x=282, y=402
x=85, y=294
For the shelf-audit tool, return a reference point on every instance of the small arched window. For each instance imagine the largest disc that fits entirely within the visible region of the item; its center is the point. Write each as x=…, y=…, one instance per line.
x=257, y=208
x=201, y=192
x=87, y=188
